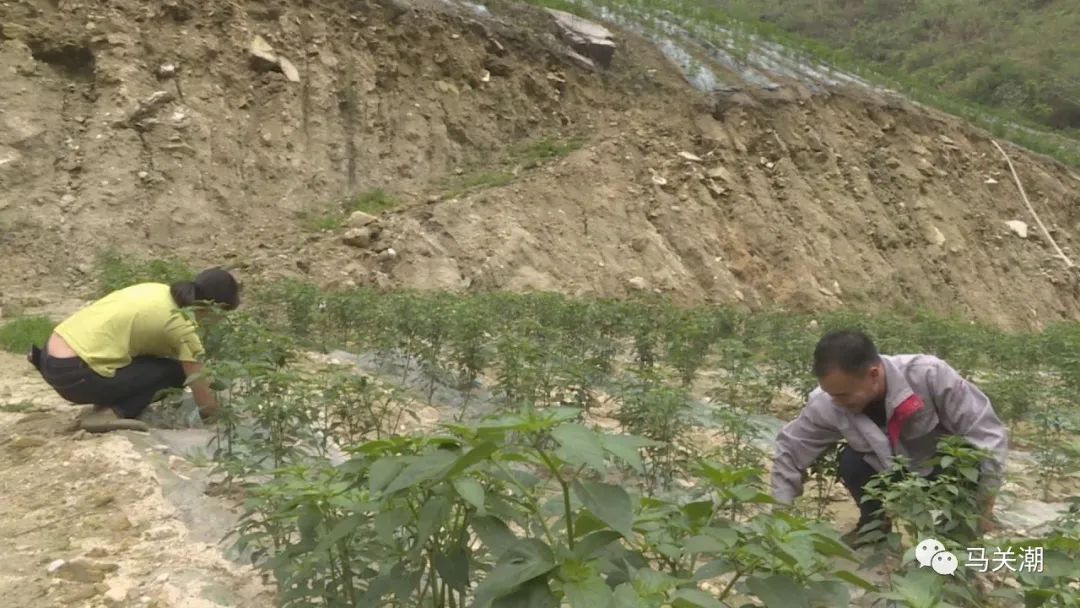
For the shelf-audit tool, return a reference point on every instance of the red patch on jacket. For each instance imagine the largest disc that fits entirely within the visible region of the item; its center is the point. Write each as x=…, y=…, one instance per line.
x=905, y=410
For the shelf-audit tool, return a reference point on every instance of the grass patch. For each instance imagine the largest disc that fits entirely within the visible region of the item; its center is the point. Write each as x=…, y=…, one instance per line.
x=320, y=222
x=373, y=202
x=20, y=407
x=117, y=270
x=17, y=335
x=535, y=153
x=523, y=156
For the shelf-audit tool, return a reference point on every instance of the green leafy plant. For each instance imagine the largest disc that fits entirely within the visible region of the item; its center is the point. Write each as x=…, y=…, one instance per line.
x=18, y=334
x=116, y=270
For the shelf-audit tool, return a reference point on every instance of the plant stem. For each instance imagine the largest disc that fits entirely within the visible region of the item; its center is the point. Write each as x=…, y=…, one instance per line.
x=566, y=496
x=731, y=583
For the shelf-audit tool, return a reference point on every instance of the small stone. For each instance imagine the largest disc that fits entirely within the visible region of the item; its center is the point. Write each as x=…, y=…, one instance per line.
x=66, y=200
x=114, y=597
x=27, y=441
x=359, y=219
x=590, y=39
x=720, y=172
x=289, y=69
x=358, y=237
x=166, y=70
x=118, y=524
x=638, y=283
x=160, y=533
x=85, y=571
x=690, y=157
x=80, y=594
x=262, y=55
x=1019, y=228
x=990, y=180
x=935, y=236
x=892, y=163
x=54, y=566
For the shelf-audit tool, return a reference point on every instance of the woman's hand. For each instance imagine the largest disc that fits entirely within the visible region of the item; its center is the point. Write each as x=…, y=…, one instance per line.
x=200, y=388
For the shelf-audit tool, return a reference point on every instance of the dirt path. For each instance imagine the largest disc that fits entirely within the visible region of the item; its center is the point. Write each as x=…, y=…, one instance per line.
x=128, y=519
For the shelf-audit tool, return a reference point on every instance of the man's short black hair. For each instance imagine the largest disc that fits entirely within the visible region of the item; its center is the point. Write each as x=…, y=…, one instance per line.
x=850, y=350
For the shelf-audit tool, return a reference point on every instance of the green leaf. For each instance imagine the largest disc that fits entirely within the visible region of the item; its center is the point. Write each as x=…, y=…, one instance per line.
x=533, y=594
x=828, y=594
x=650, y=582
x=1056, y=563
x=579, y=445
x=713, y=569
x=778, y=591
x=855, y=579
x=470, y=458
x=716, y=540
x=590, y=593
x=453, y=567
x=626, y=597
x=404, y=583
x=383, y=472
x=625, y=448
x=1033, y=598
x=422, y=469
x=946, y=461
x=610, y=503
x=308, y=522
x=471, y=491
x=698, y=511
x=524, y=561
x=387, y=522
x=587, y=523
x=693, y=598
x=432, y=516
x=594, y=542
x=343, y=529
x=378, y=588
x=494, y=533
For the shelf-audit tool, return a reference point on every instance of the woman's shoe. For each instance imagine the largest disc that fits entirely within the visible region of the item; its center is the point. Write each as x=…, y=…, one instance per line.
x=104, y=419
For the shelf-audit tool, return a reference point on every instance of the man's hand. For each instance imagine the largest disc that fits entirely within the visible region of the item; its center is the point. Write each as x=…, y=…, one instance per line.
x=209, y=414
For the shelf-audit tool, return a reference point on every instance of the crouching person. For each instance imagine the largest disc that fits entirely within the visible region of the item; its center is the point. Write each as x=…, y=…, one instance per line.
x=123, y=351
x=885, y=405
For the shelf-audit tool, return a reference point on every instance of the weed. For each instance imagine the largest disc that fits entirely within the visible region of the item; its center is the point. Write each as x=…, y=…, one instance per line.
x=20, y=407
x=17, y=335
x=117, y=270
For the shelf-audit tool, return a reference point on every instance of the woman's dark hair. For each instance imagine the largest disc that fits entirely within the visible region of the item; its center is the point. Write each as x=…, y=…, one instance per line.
x=849, y=350
x=213, y=285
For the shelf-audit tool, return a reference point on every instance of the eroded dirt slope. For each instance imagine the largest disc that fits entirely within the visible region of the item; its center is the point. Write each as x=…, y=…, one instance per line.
x=150, y=127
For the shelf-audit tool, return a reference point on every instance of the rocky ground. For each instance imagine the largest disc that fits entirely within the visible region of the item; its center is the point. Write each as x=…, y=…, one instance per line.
x=222, y=132
x=117, y=520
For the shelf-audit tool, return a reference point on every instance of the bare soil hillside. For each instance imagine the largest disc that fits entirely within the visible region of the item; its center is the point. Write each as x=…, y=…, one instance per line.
x=219, y=130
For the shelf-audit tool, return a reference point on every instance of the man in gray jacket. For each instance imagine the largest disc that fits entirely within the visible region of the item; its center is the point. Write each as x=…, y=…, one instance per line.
x=885, y=405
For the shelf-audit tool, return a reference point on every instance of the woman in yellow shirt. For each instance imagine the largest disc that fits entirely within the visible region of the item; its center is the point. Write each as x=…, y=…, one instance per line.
x=119, y=352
